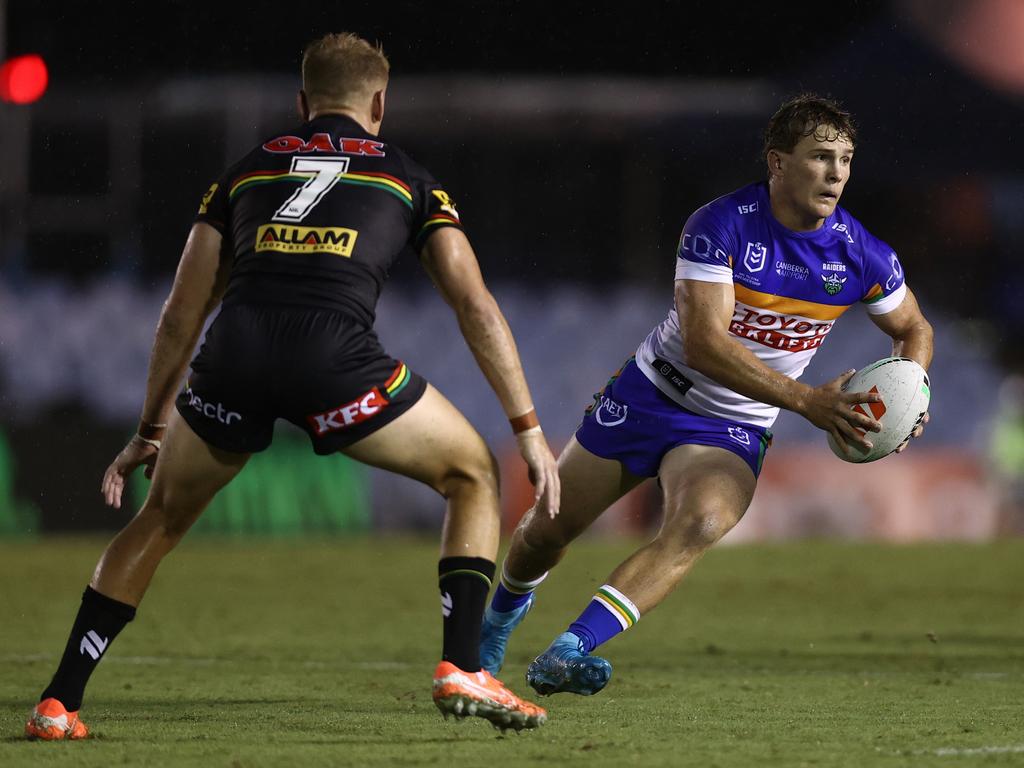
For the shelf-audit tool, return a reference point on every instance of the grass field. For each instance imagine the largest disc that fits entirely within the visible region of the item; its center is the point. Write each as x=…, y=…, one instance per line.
x=320, y=654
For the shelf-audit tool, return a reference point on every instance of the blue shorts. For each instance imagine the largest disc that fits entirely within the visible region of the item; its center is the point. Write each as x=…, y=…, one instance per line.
x=635, y=423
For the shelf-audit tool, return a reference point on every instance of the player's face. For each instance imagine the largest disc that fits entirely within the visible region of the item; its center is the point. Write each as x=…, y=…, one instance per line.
x=810, y=179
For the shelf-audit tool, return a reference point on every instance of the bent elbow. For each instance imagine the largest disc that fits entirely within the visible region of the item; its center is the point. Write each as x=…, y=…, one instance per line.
x=927, y=331
x=478, y=307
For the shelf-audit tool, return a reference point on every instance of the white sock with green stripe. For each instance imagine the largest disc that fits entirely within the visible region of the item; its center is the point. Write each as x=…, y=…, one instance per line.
x=609, y=613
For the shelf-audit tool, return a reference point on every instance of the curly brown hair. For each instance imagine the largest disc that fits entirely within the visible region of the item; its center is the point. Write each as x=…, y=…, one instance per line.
x=807, y=115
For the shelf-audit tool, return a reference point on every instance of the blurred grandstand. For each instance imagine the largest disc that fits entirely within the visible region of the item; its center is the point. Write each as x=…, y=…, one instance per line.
x=574, y=187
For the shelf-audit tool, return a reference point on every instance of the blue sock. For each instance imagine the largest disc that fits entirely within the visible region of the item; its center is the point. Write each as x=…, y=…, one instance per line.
x=513, y=593
x=609, y=613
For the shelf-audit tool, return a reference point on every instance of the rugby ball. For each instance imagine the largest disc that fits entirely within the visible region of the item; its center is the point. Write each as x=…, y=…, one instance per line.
x=905, y=391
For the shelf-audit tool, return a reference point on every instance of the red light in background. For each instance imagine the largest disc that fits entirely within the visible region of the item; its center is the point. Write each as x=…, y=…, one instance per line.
x=23, y=79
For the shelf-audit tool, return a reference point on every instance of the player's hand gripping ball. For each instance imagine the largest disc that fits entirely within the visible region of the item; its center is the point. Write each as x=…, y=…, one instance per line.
x=905, y=391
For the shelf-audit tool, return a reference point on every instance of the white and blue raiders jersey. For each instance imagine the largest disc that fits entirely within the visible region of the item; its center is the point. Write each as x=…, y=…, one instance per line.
x=790, y=288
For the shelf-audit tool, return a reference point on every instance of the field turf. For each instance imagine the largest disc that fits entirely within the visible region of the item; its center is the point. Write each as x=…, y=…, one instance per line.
x=320, y=654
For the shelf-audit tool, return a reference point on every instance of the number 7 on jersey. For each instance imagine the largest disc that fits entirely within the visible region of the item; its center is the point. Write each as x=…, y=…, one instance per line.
x=325, y=173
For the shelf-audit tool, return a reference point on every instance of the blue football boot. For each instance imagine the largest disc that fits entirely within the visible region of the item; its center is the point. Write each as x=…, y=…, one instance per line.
x=565, y=668
x=494, y=634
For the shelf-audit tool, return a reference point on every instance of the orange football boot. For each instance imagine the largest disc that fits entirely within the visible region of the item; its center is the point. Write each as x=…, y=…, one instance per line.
x=50, y=721
x=478, y=694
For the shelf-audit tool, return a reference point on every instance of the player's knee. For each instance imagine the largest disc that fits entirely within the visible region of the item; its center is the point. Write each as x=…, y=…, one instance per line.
x=702, y=527
x=474, y=472
x=170, y=520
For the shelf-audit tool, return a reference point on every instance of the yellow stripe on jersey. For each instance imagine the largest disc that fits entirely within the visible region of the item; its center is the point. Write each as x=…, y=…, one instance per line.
x=784, y=305
x=379, y=179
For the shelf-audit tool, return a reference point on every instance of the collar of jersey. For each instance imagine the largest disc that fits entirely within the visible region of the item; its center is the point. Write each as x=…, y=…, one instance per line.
x=338, y=117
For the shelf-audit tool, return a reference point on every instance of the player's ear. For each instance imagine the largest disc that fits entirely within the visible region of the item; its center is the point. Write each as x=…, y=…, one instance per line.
x=302, y=105
x=774, y=162
x=377, y=105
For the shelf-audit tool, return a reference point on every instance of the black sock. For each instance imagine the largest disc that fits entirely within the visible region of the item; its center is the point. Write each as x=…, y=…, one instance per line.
x=98, y=622
x=464, y=583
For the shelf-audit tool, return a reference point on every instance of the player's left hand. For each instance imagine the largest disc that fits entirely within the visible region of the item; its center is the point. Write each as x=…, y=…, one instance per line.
x=918, y=431
x=543, y=470
x=131, y=457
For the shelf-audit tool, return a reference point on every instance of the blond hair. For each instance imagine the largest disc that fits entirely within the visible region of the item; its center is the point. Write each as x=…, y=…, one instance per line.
x=342, y=70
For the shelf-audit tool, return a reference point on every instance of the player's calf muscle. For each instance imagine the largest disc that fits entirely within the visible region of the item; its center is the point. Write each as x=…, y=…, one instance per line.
x=541, y=534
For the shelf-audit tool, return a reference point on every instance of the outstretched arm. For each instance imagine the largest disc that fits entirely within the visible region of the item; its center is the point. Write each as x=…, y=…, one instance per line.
x=198, y=287
x=705, y=310
x=912, y=337
x=453, y=267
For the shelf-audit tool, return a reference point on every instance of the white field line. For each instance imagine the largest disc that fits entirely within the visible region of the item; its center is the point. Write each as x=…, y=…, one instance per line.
x=956, y=752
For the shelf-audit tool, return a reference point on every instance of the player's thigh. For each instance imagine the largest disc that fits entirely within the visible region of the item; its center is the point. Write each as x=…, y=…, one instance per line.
x=430, y=442
x=706, y=491
x=590, y=484
x=189, y=471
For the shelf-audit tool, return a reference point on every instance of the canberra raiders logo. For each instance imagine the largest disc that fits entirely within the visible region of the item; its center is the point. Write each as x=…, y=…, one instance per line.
x=833, y=283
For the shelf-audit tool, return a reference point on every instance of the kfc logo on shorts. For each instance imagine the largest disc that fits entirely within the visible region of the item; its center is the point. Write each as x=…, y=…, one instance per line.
x=740, y=435
x=613, y=413
x=362, y=408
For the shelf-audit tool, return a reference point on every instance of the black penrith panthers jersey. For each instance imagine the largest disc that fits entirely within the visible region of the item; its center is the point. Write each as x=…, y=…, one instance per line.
x=316, y=216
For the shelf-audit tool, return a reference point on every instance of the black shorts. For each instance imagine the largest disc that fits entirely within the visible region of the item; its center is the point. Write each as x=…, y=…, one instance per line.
x=319, y=369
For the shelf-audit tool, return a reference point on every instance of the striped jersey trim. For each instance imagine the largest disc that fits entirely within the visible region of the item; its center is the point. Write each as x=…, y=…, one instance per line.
x=875, y=294
x=386, y=178
x=882, y=305
x=264, y=177
x=787, y=306
x=382, y=181
x=439, y=219
x=620, y=606
x=398, y=381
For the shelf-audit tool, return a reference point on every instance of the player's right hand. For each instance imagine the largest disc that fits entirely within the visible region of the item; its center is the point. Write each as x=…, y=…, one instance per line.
x=132, y=456
x=543, y=471
x=829, y=408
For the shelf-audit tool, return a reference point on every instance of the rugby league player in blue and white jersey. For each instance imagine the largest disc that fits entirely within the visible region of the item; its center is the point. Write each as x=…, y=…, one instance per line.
x=761, y=276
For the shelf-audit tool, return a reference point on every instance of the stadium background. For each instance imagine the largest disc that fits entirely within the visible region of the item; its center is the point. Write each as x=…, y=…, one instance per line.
x=576, y=140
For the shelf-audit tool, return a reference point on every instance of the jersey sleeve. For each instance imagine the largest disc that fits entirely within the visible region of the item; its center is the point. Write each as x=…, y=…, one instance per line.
x=705, y=249
x=433, y=207
x=884, y=286
x=213, y=208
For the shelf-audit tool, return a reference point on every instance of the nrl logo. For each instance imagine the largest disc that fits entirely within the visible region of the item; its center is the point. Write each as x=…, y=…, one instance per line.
x=756, y=257
x=833, y=283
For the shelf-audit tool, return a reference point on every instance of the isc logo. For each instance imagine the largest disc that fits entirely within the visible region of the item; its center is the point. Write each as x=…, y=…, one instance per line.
x=747, y=208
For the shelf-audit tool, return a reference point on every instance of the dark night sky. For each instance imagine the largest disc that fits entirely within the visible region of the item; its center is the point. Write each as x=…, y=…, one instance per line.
x=90, y=42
